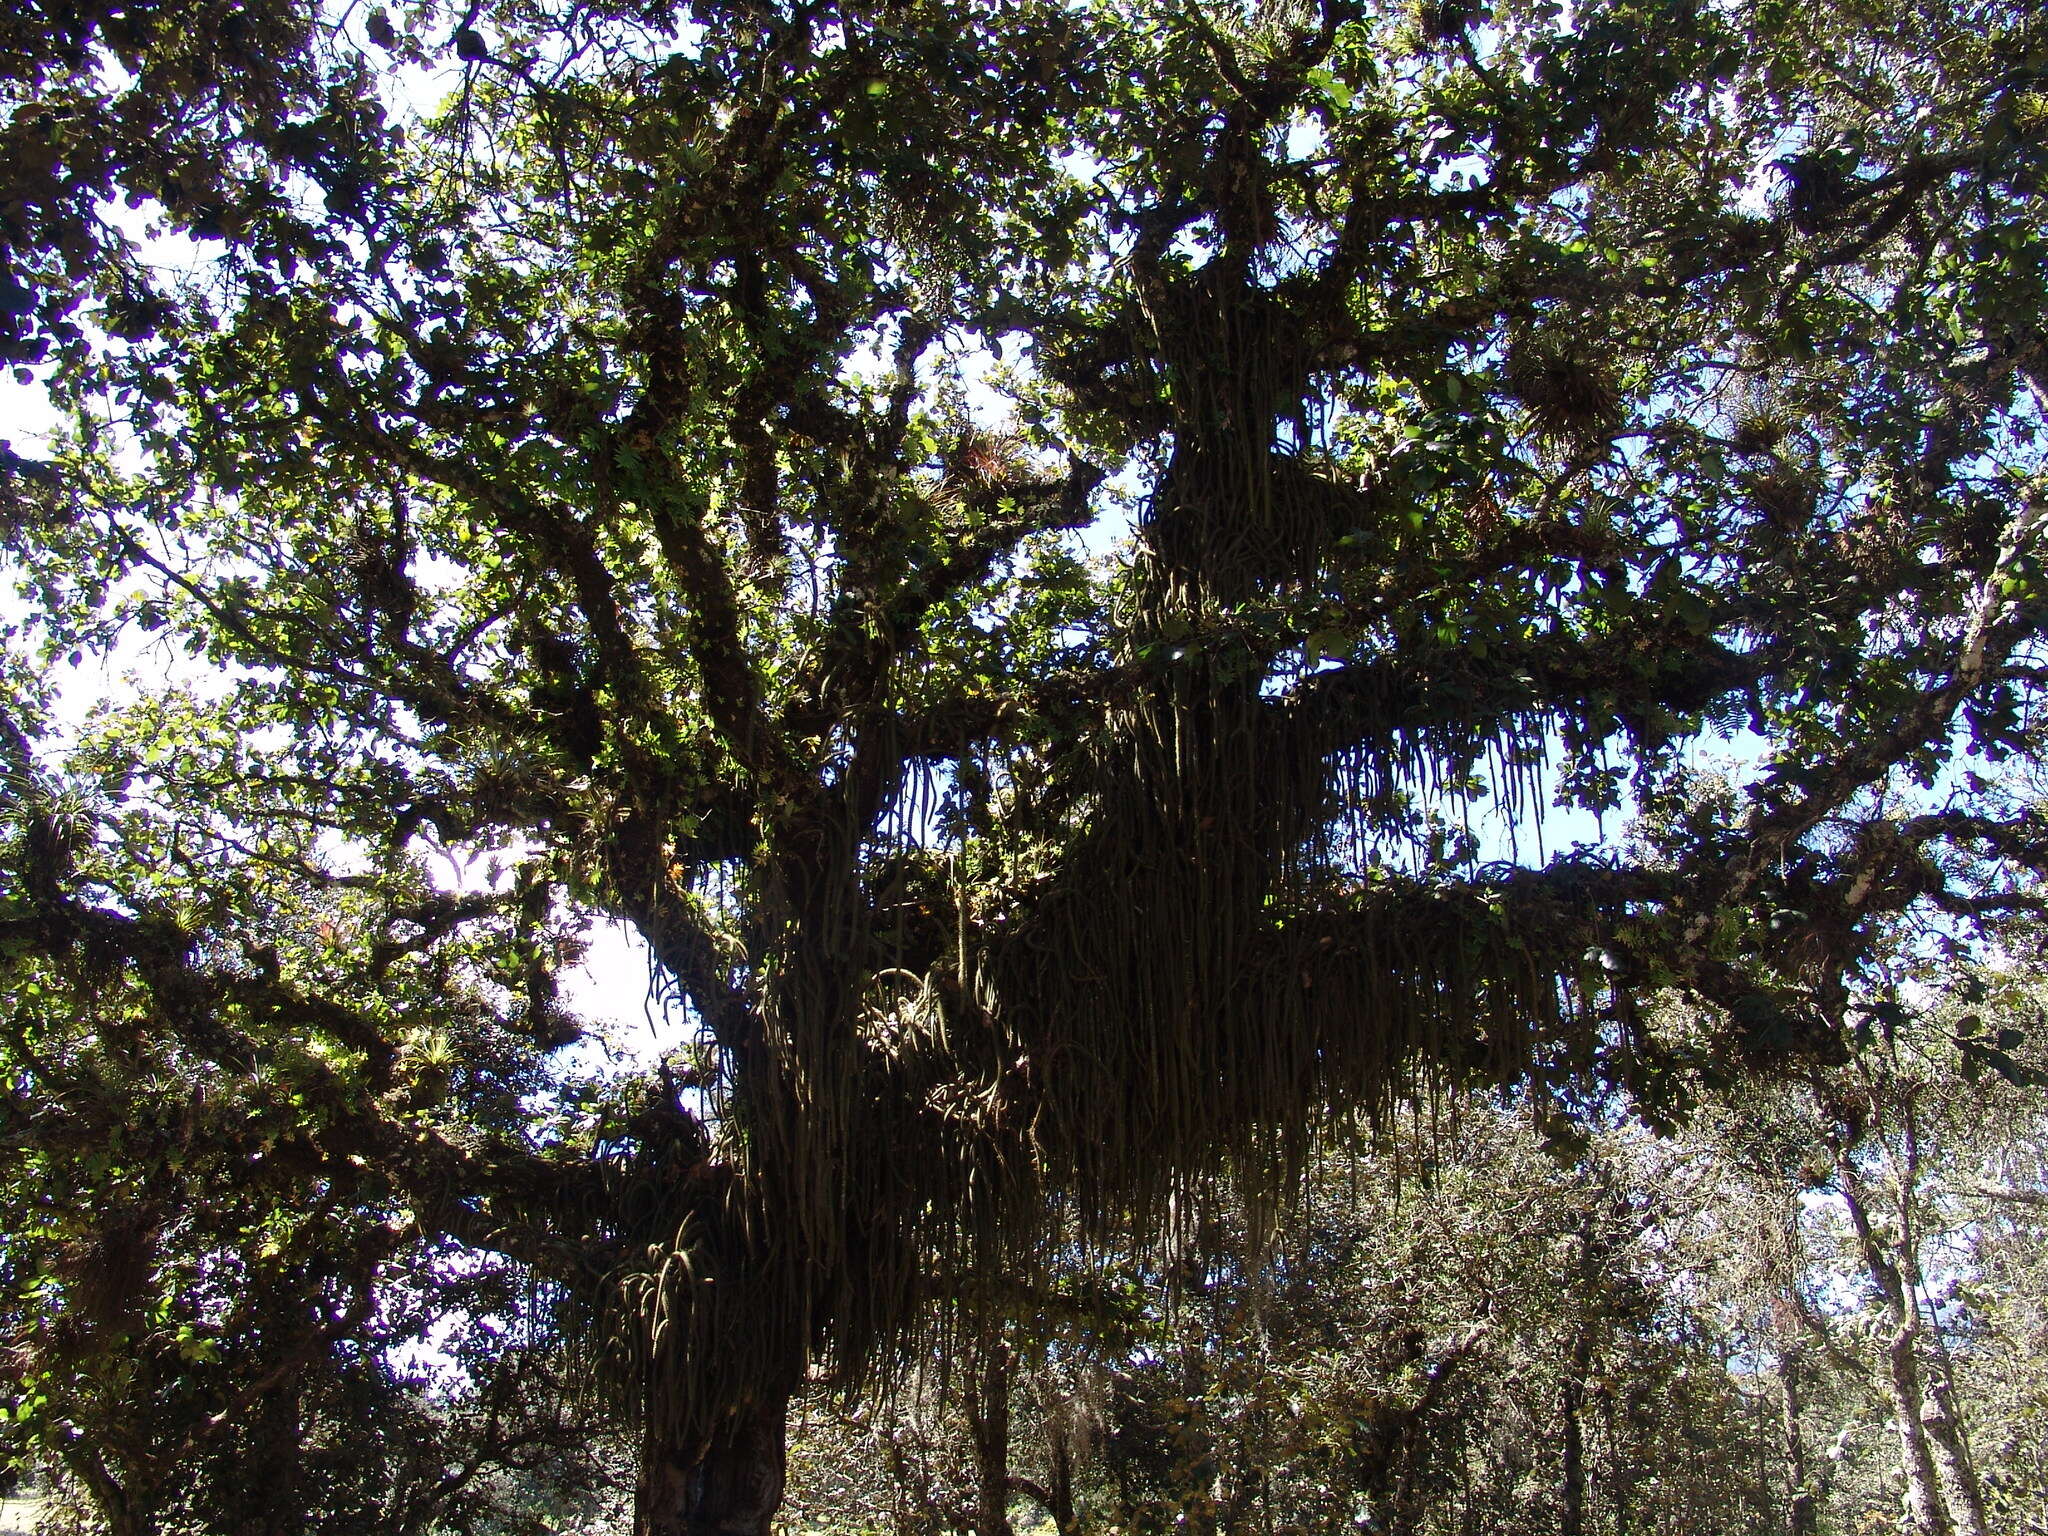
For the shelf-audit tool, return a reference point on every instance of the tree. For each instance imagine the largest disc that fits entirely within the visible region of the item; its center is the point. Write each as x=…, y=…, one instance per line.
x=1460, y=1332
x=205, y=1264
x=1899, y=1182
x=660, y=463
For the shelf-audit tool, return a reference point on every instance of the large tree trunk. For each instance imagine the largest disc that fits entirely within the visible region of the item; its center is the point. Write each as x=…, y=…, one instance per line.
x=1059, y=1502
x=1060, y=1422
x=1924, y=1506
x=114, y=1502
x=731, y=1486
x=988, y=1425
x=1953, y=1466
x=1925, y=1512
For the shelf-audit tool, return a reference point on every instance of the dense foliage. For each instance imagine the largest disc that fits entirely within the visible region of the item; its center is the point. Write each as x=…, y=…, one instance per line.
x=1049, y=562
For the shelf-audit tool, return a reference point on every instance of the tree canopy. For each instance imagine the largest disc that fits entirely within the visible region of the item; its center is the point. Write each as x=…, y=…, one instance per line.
x=1050, y=561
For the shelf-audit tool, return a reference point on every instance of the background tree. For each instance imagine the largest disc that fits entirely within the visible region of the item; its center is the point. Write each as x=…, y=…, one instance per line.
x=604, y=467
x=207, y=1265
x=1469, y=1330
x=1463, y=1333
x=1881, y=1287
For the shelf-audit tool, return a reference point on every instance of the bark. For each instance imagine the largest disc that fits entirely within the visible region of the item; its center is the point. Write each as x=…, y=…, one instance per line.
x=988, y=1426
x=1954, y=1466
x=1248, y=1494
x=1409, y=1493
x=1391, y=1459
x=116, y=1507
x=730, y=1486
x=1954, y=1469
x=1060, y=1500
x=1799, y=1503
x=1060, y=1455
x=1925, y=1511
x=1049, y=1499
x=1198, y=1460
x=1902, y=1381
x=1572, y=1517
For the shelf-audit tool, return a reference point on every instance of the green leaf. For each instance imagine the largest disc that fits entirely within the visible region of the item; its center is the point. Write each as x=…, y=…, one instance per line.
x=1334, y=90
